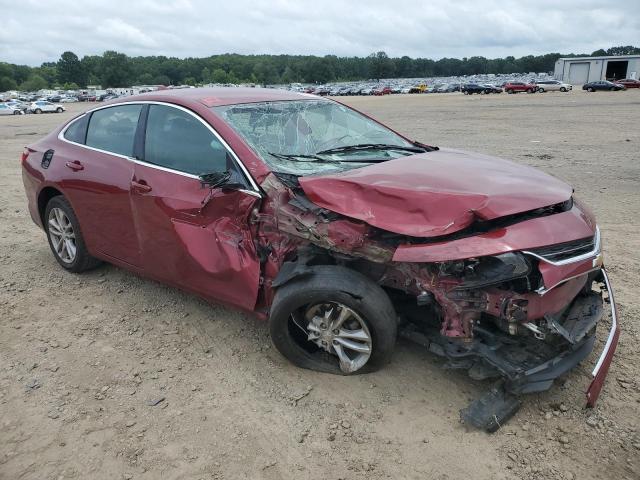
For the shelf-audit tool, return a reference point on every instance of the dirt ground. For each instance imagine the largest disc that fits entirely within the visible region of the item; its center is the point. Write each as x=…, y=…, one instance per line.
x=82, y=357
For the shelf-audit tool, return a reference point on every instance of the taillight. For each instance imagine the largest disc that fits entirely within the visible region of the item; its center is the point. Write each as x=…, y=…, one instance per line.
x=25, y=154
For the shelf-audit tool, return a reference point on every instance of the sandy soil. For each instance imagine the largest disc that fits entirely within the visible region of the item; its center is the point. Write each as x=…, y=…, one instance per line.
x=83, y=356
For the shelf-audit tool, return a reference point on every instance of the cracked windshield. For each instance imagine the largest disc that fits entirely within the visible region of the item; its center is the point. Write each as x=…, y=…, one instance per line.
x=311, y=136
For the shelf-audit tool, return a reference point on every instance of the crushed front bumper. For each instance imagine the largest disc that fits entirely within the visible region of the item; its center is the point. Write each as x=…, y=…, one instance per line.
x=542, y=376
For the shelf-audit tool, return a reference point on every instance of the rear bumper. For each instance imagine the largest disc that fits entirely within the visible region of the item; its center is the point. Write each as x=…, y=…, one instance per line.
x=601, y=369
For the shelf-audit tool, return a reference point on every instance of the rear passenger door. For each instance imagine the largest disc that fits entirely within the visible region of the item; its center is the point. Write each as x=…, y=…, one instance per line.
x=99, y=170
x=194, y=236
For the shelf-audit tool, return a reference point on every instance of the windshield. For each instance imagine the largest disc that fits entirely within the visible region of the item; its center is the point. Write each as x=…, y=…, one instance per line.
x=313, y=136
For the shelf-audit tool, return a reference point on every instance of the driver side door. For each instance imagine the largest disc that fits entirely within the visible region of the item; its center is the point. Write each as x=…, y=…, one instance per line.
x=193, y=236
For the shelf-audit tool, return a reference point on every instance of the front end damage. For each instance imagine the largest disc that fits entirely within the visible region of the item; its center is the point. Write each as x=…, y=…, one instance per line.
x=517, y=299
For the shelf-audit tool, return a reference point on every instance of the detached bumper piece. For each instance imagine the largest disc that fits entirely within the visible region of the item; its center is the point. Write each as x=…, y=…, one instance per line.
x=601, y=369
x=492, y=410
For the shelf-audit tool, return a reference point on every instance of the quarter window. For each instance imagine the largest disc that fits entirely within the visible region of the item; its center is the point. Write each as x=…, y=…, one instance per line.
x=177, y=140
x=77, y=131
x=113, y=129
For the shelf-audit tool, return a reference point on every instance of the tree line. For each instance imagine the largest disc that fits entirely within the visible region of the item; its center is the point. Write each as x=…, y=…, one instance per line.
x=114, y=69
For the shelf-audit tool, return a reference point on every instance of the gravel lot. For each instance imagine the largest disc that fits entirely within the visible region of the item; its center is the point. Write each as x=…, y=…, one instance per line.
x=83, y=357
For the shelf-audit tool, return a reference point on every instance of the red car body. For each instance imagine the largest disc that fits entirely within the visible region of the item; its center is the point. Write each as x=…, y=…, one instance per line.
x=515, y=87
x=628, y=82
x=408, y=220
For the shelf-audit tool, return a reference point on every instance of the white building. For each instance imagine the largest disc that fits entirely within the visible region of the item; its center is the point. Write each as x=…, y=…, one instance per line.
x=581, y=70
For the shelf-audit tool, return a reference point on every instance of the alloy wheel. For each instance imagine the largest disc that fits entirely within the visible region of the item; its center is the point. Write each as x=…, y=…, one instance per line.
x=338, y=330
x=63, y=238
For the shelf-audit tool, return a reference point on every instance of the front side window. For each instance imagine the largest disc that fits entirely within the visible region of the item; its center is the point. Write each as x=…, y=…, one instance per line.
x=312, y=136
x=113, y=129
x=177, y=140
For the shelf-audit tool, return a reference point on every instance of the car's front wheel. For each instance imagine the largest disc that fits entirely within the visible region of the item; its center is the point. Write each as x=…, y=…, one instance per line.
x=562, y=89
x=65, y=237
x=37, y=110
x=335, y=320
x=591, y=89
x=541, y=90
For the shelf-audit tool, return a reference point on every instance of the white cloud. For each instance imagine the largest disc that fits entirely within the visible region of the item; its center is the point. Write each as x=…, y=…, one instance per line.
x=36, y=31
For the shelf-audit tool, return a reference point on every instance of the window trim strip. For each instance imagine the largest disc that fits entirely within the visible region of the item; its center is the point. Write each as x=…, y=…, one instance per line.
x=255, y=190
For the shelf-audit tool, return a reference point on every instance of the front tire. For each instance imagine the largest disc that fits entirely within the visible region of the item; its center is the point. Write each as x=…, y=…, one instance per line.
x=65, y=238
x=335, y=321
x=591, y=90
x=37, y=111
x=541, y=90
x=562, y=89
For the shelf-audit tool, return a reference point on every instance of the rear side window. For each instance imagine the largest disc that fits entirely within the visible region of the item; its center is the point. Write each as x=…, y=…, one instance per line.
x=177, y=140
x=77, y=131
x=113, y=129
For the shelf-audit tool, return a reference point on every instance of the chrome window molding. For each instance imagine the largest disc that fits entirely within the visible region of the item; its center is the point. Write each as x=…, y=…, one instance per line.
x=254, y=192
x=579, y=258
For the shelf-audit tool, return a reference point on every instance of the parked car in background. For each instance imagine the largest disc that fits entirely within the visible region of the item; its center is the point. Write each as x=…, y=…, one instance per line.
x=43, y=106
x=515, y=87
x=629, y=83
x=6, y=109
x=553, y=86
x=68, y=99
x=23, y=107
x=340, y=232
x=492, y=88
x=471, y=88
x=602, y=85
x=421, y=88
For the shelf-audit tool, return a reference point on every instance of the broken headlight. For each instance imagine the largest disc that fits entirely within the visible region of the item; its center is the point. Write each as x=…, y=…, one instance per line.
x=485, y=271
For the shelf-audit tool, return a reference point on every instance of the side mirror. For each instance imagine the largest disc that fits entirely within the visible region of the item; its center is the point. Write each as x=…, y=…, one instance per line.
x=225, y=180
x=215, y=179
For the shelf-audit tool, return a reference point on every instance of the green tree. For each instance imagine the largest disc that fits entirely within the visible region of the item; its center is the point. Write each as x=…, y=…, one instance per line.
x=70, y=86
x=70, y=69
x=219, y=76
x=34, y=83
x=381, y=65
x=7, y=83
x=115, y=70
x=205, y=75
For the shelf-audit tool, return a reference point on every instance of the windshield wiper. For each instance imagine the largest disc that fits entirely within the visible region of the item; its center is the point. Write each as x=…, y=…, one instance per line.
x=298, y=157
x=370, y=146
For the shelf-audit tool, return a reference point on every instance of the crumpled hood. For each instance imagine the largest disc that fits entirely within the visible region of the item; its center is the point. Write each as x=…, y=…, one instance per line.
x=435, y=193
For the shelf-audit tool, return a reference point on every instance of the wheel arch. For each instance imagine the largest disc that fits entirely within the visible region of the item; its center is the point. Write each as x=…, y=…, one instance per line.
x=44, y=197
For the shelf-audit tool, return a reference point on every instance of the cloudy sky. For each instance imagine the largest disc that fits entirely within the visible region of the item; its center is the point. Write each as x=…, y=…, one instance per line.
x=34, y=31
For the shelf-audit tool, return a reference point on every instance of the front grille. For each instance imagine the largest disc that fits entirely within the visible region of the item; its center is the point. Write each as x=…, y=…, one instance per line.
x=564, y=251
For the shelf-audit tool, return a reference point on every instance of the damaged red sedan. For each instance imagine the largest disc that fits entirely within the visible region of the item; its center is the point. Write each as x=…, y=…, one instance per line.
x=341, y=232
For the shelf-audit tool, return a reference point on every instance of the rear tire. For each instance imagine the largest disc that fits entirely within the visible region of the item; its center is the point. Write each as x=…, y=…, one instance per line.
x=60, y=217
x=337, y=287
x=37, y=111
x=59, y=110
x=541, y=90
x=509, y=91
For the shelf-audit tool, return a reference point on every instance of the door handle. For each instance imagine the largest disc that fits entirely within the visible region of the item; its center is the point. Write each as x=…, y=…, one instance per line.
x=141, y=186
x=75, y=165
